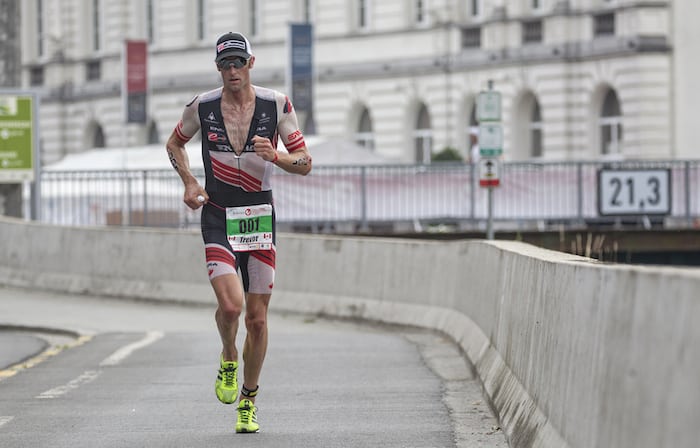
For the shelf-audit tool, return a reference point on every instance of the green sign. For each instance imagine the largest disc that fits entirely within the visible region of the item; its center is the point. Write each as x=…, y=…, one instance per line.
x=16, y=138
x=490, y=139
x=488, y=106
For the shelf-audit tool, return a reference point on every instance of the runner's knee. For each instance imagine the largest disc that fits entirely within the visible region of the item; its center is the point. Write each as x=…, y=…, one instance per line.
x=256, y=323
x=229, y=311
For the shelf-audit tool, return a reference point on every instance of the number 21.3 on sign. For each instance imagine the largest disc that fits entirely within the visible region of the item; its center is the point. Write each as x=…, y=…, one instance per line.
x=634, y=192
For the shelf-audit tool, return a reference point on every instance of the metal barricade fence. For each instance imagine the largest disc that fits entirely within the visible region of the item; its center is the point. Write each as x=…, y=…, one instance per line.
x=364, y=197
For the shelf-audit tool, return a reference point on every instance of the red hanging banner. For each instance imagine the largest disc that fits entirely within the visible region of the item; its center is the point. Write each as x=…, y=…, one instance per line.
x=136, y=76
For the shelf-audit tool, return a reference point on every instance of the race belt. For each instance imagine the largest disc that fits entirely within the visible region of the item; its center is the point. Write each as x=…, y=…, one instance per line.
x=249, y=228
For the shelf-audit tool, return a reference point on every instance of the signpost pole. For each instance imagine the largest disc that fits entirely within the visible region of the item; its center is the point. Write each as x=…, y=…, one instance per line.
x=489, y=221
x=490, y=147
x=35, y=186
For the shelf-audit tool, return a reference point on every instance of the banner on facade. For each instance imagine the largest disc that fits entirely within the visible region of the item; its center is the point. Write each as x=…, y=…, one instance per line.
x=136, y=80
x=300, y=77
x=17, y=139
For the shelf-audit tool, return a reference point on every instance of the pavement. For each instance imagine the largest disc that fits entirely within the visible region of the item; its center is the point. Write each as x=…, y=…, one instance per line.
x=75, y=370
x=18, y=346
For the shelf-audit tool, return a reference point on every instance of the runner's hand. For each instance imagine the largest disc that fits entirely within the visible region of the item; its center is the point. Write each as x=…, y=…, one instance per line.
x=195, y=196
x=263, y=148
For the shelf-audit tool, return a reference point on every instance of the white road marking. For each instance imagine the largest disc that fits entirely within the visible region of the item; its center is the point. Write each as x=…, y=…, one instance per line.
x=124, y=352
x=5, y=419
x=112, y=360
x=87, y=377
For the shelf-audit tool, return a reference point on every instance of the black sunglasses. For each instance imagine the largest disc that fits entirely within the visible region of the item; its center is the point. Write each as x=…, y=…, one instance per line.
x=237, y=62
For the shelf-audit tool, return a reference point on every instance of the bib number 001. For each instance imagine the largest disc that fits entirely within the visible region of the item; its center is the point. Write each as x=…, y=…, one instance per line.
x=249, y=228
x=634, y=192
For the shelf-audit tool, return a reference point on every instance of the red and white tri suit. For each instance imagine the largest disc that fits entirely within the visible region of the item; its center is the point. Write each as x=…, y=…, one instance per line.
x=234, y=180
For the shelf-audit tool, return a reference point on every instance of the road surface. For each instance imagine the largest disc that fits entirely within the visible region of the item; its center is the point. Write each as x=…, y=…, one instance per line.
x=141, y=374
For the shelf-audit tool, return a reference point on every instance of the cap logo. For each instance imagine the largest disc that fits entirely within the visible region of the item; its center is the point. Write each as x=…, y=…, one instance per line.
x=237, y=44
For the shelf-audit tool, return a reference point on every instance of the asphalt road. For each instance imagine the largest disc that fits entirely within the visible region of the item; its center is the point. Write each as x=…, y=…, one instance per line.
x=142, y=375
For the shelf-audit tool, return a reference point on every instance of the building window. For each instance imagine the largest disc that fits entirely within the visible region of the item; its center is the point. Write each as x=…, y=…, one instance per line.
x=611, y=125
x=536, y=4
x=532, y=31
x=421, y=16
x=254, y=18
x=150, y=22
x=93, y=70
x=98, y=137
x=423, y=137
x=306, y=13
x=536, y=130
x=364, y=136
x=36, y=76
x=604, y=24
x=201, y=20
x=476, y=8
x=96, y=25
x=362, y=14
x=40, y=30
x=471, y=37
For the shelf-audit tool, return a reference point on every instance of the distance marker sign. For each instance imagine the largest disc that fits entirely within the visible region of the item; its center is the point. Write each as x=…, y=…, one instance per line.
x=16, y=138
x=634, y=192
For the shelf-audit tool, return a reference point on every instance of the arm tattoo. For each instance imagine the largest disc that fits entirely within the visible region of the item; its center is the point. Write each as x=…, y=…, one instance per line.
x=173, y=162
x=301, y=161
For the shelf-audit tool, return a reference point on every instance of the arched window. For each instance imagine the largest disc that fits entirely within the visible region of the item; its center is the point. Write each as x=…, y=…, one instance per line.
x=423, y=136
x=527, y=128
x=98, y=137
x=365, y=136
x=536, y=130
x=472, y=116
x=611, y=125
x=153, y=133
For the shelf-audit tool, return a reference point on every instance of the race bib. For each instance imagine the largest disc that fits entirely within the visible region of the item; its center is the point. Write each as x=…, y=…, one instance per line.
x=249, y=228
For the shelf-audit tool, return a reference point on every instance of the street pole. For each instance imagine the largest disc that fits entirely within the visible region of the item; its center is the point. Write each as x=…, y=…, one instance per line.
x=489, y=221
x=490, y=137
x=10, y=192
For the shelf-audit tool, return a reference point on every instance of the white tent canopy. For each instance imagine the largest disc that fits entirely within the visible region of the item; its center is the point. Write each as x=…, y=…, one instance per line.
x=324, y=151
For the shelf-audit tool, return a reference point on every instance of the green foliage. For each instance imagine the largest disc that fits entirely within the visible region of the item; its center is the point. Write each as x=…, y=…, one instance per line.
x=448, y=154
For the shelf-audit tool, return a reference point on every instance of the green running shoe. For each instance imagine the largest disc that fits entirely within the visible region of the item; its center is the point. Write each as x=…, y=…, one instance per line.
x=247, y=417
x=226, y=385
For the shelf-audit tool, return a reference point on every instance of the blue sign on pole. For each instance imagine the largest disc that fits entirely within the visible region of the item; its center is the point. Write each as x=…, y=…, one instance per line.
x=301, y=69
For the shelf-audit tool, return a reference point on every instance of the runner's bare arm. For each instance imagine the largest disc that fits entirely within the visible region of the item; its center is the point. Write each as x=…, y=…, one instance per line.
x=298, y=158
x=194, y=195
x=298, y=162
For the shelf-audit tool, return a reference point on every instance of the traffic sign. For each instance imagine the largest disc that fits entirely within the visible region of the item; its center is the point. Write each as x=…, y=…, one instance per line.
x=634, y=192
x=16, y=137
x=489, y=169
x=488, y=106
x=490, y=139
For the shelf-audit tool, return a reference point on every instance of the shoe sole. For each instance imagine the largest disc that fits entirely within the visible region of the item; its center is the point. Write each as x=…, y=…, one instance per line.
x=223, y=399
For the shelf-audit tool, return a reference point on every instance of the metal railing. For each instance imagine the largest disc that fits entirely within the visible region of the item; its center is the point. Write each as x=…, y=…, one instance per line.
x=387, y=197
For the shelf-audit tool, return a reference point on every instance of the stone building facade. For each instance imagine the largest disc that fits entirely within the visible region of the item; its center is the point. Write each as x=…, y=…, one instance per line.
x=580, y=79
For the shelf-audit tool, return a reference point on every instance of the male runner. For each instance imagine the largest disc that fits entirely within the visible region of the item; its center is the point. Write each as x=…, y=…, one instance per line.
x=240, y=125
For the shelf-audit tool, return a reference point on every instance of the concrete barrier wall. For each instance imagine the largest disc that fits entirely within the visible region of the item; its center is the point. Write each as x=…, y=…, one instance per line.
x=571, y=352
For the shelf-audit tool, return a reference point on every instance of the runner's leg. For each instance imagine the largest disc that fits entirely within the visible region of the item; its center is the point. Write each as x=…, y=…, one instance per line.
x=229, y=295
x=255, y=346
